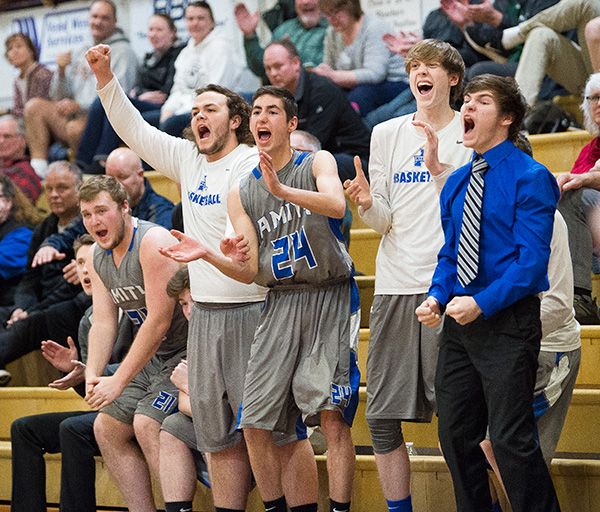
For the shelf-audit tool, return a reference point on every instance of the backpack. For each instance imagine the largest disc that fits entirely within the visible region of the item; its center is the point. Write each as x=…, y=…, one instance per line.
x=547, y=117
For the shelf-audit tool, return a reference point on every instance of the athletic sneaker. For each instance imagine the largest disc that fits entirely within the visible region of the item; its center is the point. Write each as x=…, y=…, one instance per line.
x=5, y=377
x=586, y=309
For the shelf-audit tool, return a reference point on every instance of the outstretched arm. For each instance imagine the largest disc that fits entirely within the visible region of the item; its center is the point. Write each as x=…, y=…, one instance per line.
x=240, y=254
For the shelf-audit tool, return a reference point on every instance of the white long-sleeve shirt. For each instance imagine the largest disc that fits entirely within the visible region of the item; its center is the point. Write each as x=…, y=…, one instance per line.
x=560, y=330
x=405, y=206
x=211, y=61
x=204, y=189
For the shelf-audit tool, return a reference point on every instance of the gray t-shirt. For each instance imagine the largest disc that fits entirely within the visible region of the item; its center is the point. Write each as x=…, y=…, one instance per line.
x=126, y=285
x=296, y=247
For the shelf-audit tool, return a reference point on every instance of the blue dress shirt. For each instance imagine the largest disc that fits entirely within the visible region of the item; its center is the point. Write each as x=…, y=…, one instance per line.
x=519, y=200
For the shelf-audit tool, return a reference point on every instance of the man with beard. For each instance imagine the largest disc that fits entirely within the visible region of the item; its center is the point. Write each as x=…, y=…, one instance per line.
x=225, y=313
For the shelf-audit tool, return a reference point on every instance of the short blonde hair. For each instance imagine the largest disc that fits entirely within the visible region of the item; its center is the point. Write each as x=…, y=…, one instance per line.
x=102, y=183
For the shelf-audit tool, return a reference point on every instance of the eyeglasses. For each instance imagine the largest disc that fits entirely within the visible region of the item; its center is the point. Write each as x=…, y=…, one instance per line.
x=593, y=99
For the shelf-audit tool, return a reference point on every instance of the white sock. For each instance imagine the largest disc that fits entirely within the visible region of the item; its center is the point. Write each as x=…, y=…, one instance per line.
x=40, y=166
x=511, y=37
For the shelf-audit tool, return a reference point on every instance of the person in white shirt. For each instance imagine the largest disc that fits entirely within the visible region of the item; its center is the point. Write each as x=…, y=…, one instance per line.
x=208, y=58
x=408, y=155
x=225, y=313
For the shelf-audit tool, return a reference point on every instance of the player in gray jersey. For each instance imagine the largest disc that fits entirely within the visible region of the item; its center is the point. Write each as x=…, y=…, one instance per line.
x=287, y=215
x=130, y=274
x=225, y=312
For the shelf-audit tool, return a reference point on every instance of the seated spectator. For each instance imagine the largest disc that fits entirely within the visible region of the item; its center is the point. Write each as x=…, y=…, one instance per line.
x=17, y=218
x=306, y=31
x=547, y=51
x=483, y=26
x=69, y=433
x=301, y=140
x=13, y=161
x=355, y=58
x=152, y=88
x=74, y=89
x=592, y=38
x=208, y=57
x=45, y=304
x=41, y=287
x=323, y=108
x=34, y=79
x=580, y=206
x=126, y=167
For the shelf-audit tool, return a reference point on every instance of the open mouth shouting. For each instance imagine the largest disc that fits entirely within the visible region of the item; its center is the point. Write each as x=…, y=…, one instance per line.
x=424, y=88
x=468, y=125
x=203, y=132
x=264, y=136
x=100, y=234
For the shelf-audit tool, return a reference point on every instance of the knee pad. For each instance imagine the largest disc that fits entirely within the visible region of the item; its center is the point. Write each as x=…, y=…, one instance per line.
x=386, y=435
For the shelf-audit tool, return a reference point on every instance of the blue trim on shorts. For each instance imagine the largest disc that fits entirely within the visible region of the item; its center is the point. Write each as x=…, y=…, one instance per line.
x=354, y=296
x=540, y=405
x=301, y=432
x=350, y=409
x=238, y=418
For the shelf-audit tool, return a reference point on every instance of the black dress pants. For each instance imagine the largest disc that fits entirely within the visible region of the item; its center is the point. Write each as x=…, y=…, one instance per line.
x=485, y=376
x=54, y=323
x=71, y=433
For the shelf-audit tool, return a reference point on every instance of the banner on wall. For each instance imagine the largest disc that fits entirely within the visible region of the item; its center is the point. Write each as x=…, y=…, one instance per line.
x=63, y=31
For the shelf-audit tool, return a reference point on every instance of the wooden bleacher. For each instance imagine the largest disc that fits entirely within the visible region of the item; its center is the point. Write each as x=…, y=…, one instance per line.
x=577, y=477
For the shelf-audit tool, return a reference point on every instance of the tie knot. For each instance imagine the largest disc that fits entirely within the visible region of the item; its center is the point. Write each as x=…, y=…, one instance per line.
x=479, y=165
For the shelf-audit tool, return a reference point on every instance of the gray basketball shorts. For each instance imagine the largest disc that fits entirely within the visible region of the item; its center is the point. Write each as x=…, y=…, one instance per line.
x=180, y=425
x=554, y=383
x=301, y=358
x=150, y=392
x=401, y=360
x=219, y=340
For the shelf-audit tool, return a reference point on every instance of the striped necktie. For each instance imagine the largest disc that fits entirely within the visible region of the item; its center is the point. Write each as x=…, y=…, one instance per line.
x=467, y=262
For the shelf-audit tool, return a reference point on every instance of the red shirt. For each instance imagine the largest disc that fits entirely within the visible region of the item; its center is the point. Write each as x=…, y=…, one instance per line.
x=590, y=153
x=23, y=176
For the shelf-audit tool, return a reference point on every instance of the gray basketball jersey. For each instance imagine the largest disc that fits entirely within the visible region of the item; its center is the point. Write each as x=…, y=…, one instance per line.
x=126, y=285
x=296, y=246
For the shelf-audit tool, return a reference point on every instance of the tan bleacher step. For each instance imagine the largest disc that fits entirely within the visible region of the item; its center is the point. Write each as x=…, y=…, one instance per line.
x=16, y=402
x=577, y=483
x=558, y=151
x=32, y=370
x=581, y=433
x=588, y=377
x=357, y=222
x=363, y=249
x=163, y=186
x=366, y=288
